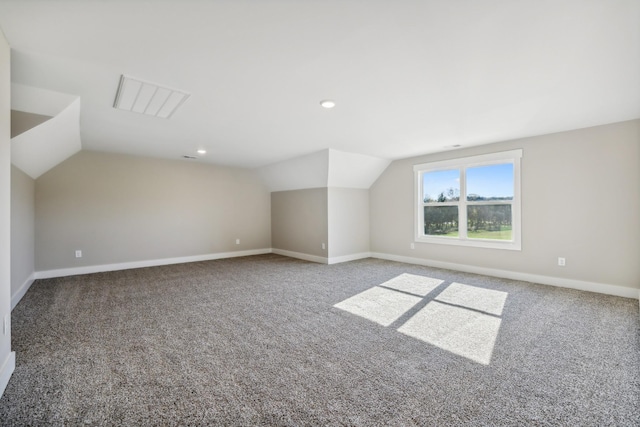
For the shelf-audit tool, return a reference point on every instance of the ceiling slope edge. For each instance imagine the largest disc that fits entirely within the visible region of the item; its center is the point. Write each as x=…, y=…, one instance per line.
x=326, y=168
x=43, y=147
x=307, y=171
x=352, y=170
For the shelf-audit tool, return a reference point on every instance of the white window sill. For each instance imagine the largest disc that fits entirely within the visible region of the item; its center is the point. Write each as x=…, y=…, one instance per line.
x=473, y=243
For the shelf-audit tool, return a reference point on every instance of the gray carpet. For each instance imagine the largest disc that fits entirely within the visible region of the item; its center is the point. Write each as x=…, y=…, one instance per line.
x=269, y=340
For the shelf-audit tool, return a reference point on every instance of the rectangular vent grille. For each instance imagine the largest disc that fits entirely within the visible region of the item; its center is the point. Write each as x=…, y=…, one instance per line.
x=148, y=98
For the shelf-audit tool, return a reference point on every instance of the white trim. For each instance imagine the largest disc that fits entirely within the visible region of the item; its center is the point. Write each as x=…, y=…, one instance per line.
x=300, y=255
x=347, y=258
x=470, y=243
x=602, y=288
x=15, y=298
x=7, y=369
x=47, y=274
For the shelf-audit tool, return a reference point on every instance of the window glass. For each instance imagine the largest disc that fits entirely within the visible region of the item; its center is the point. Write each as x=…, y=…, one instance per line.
x=471, y=201
x=441, y=186
x=492, y=182
x=489, y=222
x=441, y=221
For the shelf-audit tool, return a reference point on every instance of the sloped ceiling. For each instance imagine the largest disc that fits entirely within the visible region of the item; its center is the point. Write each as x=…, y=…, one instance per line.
x=22, y=121
x=326, y=168
x=48, y=144
x=409, y=77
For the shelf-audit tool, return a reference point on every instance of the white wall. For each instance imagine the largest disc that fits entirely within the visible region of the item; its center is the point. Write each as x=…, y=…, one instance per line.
x=348, y=219
x=303, y=220
x=22, y=233
x=123, y=209
x=580, y=200
x=7, y=357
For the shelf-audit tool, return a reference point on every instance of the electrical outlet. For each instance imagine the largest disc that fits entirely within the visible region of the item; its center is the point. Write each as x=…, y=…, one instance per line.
x=562, y=262
x=324, y=246
x=78, y=254
x=413, y=246
x=237, y=241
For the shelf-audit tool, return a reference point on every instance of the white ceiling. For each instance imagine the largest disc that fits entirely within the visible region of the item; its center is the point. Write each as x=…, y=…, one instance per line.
x=409, y=76
x=51, y=142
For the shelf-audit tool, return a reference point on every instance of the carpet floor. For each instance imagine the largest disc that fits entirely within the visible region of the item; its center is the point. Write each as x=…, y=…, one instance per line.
x=270, y=340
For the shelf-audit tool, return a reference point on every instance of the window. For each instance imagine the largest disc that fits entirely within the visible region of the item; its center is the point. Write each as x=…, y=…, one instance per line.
x=473, y=201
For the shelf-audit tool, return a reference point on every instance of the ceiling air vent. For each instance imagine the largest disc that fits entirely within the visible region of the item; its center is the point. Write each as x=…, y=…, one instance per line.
x=148, y=98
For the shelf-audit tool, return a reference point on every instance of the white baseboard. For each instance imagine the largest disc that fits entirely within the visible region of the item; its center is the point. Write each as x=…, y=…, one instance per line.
x=601, y=288
x=15, y=298
x=6, y=370
x=347, y=258
x=322, y=260
x=300, y=255
x=62, y=272
x=544, y=280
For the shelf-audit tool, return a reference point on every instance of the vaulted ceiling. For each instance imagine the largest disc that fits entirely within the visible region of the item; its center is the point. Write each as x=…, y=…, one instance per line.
x=408, y=77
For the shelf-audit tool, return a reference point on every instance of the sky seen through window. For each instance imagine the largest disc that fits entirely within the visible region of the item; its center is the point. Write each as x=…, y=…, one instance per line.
x=490, y=181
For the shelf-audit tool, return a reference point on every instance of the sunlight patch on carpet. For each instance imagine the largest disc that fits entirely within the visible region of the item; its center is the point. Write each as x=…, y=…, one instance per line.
x=379, y=305
x=481, y=299
x=413, y=284
x=462, y=319
x=467, y=333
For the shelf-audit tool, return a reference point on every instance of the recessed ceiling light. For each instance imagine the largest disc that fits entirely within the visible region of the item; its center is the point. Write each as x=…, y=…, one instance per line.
x=327, y=103
x=201, y=151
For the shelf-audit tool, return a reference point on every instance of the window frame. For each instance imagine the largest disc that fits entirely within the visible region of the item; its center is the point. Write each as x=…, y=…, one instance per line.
x=462, y=164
